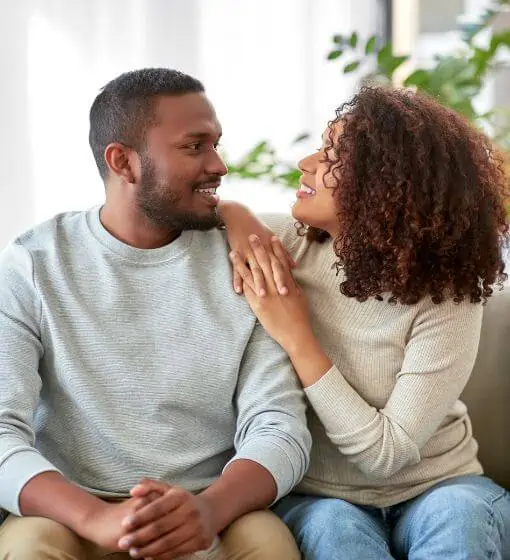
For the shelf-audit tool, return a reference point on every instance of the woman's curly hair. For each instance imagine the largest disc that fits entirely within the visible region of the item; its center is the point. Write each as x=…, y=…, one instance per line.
x=420, y=200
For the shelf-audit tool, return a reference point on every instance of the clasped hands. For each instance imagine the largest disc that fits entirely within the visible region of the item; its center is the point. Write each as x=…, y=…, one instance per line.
x=159, y=521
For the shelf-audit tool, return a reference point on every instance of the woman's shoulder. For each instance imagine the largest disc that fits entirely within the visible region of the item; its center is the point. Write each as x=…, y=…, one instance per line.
x=286, y=228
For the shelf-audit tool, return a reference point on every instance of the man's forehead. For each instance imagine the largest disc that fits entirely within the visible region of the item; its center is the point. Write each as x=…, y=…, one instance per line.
x=190, y=113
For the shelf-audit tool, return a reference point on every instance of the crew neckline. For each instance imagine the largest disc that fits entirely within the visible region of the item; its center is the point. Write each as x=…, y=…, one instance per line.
x=134, y=254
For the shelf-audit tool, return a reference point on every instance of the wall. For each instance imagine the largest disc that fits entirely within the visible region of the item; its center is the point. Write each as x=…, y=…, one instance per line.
x=263, y=64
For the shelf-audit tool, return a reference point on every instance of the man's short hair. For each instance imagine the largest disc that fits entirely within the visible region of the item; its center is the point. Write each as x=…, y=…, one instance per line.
x=124, y=108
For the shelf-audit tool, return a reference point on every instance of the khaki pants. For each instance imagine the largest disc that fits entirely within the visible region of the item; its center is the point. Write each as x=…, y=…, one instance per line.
x=257, y=536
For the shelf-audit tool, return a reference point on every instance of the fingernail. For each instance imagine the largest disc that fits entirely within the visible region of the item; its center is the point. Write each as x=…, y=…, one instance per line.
x=125, y=542
x=237, y=289
x=253, y=238
x=284, y=291
x=134, y=552
x=128, y=521
x=262, y=293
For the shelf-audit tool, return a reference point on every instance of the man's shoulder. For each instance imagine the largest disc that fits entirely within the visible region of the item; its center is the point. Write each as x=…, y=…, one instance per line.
x=46, y=234
x=210, y=241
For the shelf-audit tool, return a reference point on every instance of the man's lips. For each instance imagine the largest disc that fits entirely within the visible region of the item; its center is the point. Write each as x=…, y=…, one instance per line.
x=208, y=191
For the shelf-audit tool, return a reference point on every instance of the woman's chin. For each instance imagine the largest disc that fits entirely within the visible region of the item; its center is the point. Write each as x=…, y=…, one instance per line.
x=303, y=215
x=298, y=214
x=308, y=219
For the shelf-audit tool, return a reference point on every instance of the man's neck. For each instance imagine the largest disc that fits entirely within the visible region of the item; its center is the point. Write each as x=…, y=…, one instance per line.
x=134, y=229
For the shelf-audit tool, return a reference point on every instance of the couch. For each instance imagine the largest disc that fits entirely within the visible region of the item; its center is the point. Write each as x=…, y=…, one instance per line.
x=487, y=394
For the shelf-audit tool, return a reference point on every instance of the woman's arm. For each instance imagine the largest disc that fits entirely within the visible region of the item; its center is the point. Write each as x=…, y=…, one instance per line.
x=438, y=361
x=240, y=223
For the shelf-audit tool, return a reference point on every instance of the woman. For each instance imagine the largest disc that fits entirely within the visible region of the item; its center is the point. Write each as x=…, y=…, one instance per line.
x=403, y=207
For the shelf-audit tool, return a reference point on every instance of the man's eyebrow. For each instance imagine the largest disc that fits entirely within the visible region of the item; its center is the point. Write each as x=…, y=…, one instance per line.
x=201, y=135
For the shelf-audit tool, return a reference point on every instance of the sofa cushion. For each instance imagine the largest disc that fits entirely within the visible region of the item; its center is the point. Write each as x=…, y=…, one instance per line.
x=487, y=394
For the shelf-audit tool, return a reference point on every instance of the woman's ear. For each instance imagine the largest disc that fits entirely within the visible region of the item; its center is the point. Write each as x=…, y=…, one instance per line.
x=119, y=159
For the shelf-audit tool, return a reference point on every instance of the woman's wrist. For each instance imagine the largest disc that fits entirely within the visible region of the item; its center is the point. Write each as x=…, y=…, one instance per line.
x=308, y=358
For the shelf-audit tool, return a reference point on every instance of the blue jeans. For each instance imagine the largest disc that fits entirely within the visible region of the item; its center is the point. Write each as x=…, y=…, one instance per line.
x=464, y=518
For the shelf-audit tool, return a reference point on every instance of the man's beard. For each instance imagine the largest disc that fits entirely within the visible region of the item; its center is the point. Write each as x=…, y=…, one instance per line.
x=163, y=209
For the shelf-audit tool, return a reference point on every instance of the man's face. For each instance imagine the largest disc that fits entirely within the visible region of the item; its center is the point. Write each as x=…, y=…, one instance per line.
x=180, y=165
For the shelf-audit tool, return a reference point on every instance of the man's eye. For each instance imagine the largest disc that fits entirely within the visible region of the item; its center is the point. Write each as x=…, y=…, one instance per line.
x=195, y=146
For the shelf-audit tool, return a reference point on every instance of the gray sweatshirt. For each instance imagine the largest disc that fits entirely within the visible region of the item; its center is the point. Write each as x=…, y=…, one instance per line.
x=119, y=363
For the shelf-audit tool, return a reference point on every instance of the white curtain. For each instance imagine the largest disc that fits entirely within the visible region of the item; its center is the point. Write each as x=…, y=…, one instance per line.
x=262, y=62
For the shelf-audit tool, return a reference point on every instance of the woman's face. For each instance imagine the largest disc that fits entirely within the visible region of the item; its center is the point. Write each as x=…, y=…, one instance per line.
x=315, y=205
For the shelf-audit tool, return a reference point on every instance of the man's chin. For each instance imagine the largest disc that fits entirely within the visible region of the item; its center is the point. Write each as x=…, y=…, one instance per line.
x=200, y=222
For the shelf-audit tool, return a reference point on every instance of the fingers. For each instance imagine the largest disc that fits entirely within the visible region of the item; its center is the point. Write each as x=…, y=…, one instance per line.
x=265, y=258
x=291, y=262
x=171, y=546
x=257, y=258
x=280, y=276
x=147, y=486
x=237, y=282
x=153, y=531
x=282, y=266
x=242, y=270
x=170, y=501
x=269, y=269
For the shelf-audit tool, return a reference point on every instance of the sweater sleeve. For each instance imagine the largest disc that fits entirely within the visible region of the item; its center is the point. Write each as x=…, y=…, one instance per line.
x=20, y=352
x=271, y=423
x=438, y=361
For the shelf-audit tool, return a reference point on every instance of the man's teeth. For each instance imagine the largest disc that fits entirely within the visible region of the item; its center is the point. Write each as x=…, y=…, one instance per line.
x=207, y=191
x=305, y=189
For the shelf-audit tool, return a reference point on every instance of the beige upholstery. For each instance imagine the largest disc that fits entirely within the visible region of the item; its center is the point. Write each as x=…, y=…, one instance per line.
x=487, y=394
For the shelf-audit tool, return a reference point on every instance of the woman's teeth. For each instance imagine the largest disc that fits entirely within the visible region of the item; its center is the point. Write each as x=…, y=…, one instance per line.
x=305, y=189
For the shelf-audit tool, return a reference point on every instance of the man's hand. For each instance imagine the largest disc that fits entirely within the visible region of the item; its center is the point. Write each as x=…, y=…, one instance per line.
x=175, y=524
x=104, y=525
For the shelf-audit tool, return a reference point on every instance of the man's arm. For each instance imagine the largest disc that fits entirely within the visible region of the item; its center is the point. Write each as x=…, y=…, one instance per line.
x=20, y=353
x=271, y=423
x=180, y=523
x=29, y=483
x=272, y=452
x=50, y=495
x=229, y=497
x=73, y=507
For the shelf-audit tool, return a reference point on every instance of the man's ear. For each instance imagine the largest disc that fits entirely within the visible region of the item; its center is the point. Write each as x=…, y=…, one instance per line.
x=122, y=161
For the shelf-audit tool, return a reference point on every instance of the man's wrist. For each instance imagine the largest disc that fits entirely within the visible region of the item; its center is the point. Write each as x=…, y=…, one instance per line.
x=83, y=523
x=214, y=510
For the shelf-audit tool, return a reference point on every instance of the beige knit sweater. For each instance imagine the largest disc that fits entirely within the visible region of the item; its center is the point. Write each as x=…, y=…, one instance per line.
x=386, y=420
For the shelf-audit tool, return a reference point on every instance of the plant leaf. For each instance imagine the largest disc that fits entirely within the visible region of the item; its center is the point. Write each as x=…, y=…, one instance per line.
x=352, y=67
x=353, y=40
x=387, y=63
x=335, y=54
x=301, y=137
x=417, y=78
x=370, y=45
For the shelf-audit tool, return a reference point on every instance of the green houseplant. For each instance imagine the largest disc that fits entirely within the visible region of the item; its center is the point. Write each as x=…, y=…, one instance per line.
x=454, y=79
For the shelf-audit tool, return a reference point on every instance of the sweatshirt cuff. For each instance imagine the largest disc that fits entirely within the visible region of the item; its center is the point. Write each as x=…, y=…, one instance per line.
x=273, y=457
x=16, y=472
x=338, y=405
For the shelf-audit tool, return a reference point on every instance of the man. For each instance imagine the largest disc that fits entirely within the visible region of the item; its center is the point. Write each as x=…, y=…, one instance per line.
x=125, y=355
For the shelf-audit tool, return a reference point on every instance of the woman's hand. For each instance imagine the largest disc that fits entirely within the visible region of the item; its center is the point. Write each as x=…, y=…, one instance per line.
x=282, y=312
x=240, y=224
